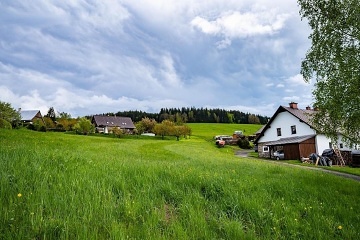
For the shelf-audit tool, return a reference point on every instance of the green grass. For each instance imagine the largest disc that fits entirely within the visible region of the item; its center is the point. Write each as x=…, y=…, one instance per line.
x=209, y=130
x=85, y=187
x=344, y=169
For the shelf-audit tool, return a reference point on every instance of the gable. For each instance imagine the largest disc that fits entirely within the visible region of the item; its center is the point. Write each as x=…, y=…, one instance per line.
x=284, y=118
x=29, y=115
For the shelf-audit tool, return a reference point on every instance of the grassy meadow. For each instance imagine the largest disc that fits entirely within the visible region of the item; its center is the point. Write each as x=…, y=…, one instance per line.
x=64, y=186
x=209, y=130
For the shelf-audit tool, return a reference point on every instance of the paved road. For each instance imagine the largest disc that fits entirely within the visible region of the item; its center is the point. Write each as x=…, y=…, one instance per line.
x=244, y=153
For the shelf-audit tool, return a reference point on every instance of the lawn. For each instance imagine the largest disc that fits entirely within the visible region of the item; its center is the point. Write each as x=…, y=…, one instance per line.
x=209, y=130
x=63, y=186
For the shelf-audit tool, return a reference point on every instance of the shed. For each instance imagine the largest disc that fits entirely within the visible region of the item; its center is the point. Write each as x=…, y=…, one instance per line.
x=294, y=147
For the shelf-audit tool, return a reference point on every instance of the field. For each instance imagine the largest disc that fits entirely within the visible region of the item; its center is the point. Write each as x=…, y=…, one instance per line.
x=64, y=186
x=208, y=131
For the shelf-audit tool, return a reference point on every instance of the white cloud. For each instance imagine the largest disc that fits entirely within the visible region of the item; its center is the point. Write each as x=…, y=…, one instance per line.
x=291, y=99
x=205, y=26
x=280, y=85
x=297, y=80
x=232, y=25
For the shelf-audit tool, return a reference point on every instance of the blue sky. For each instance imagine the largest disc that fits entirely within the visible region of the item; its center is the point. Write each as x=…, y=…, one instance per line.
x=96, y=56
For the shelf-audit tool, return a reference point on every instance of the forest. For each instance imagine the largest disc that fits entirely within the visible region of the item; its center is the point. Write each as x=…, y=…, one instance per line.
x=195, y=115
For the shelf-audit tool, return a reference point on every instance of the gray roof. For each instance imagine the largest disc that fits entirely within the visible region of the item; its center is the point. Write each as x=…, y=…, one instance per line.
x=113, y=121
x=302, y=114
x=28, y=115
x=290, y=140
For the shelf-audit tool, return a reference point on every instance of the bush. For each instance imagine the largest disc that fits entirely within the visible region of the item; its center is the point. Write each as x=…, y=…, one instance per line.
x=5, y=124
x=117, y=132
x=243, y=143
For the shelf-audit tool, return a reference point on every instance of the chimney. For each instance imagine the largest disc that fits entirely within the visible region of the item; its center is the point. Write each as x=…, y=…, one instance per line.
x=308, y=108
x=293, y=105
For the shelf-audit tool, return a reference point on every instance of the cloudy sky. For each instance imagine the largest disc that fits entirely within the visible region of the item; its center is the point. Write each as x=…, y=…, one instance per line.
x=95, y=56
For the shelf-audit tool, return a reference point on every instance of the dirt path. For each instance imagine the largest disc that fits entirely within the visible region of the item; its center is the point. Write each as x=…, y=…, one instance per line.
x=244, y=153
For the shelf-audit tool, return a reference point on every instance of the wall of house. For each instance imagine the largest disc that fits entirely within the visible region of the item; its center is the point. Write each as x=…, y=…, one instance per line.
x=323, y=143
x=261, y=152
x=344, y=147
x=284, y=121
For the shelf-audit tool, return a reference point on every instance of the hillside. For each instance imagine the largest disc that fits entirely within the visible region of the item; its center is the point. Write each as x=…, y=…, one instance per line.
x=64, y=186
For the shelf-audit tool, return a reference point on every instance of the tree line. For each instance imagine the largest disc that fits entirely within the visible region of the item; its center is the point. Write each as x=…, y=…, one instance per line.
x=195, y=115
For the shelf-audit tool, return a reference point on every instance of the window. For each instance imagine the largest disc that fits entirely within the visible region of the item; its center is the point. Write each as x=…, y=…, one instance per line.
x=341, y=145
x=330, y=145
x=265, y=149
x=278, y=131
x=293, y=129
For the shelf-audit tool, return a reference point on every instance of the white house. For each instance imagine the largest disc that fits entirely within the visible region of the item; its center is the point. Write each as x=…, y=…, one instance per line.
x=290, y=129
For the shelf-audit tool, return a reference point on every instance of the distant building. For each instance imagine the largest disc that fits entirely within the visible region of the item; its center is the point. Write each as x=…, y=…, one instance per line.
x=105, y=124
x=29, y=116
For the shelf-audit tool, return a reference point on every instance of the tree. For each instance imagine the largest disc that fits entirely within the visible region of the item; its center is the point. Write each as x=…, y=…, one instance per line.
x=64, y=115
x=9, y=114
x=334, y=60
x=165, y=128
x=51, y=114
x=49, y=122
x=253, y=119
x=5, y=124
x=84, y=126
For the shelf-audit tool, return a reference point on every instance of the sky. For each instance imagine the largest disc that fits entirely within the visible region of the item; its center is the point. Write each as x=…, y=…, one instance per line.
x=99, y=56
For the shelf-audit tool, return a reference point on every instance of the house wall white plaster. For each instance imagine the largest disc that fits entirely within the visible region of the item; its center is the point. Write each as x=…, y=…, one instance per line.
x=284, y=121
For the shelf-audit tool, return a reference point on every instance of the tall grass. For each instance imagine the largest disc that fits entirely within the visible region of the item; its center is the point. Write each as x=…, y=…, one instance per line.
x=59, y=186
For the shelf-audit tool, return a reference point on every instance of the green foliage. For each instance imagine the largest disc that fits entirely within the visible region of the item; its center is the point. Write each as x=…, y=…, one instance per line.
x=145, y=125
x=118, y=132
x=51, y=114
x=49, y=123
x=165, y=128
x=334, y=60
x=9, y=114
x=37, y=125
x=84, y=126
x=243, y=143
x=192, y=115
x=66, y=123
x=5, y=124
x=62, y=186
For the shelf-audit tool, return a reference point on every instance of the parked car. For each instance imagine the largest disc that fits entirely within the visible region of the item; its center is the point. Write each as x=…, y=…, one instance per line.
x=279, y=154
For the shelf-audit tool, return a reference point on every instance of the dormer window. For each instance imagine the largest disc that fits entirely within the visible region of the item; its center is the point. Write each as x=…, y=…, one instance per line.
x=293, y=129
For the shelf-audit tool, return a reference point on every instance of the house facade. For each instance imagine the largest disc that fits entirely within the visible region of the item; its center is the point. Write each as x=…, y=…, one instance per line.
x=290, y=129
x=105, y=124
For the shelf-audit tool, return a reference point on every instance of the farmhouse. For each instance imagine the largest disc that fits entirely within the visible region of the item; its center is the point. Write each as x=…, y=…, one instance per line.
x=29, y=116
x=105, y=124
x=290, y=130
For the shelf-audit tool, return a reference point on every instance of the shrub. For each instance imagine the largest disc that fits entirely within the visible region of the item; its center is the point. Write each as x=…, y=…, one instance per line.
x=117, y=132
x=243, y=143
x=84, y=126
x=5, y=124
